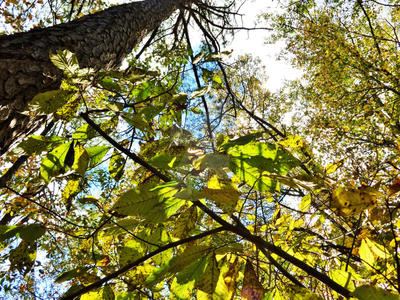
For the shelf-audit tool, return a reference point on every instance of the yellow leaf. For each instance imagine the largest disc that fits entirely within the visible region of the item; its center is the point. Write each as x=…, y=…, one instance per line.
x=103, y=293
x=351, y=201
x=81, y=160
x=305, y=203
x=225, y=198
x=379, y=250
x=222, y=191
x=366, y=253
x=252, y=288
x=393, y=242
x=292, y=141
x=70, y=191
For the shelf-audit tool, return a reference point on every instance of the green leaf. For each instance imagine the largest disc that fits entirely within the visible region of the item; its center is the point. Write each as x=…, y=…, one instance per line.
x=379, y=250
x=293, y=292
x=137, y=121
x=109, y=125
x=226, y=197
x=252, y=175
x=193, y=272
x=84, y=133
x=177, y=264
x=96, y=154
x=56, y=162
x=50, y=101
x=150, y=111
x=163, y=161
x=70, y=274
x=209, y=278
x=22, y=258
x=36, y=144
x=217, y=79
x=28, y=233
x=152, y=205
x=292, y=141
x=32, y=232
x=182, y=291
x=88, y=200
x=185, y=222
x=212, y=161
x=131, y=251
x=366, y=292
x=111, y=85
x=116, y=165
x=73, y=289
x=127, y=296
x=68, y=111
x=243, y=140
x=180, y=98
x=252, y=162
x=7, y=232
x=170, y=161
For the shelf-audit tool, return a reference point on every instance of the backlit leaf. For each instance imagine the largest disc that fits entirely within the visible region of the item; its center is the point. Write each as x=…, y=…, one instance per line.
x=373, y=293
x=343, y=278
x=96, y=154
x=131, y=251
x=81, y=160
x=377, y=249
x=36, y=144
x=50, y=101
x=103, y=293
x=292, y=141
x=57, y=161
x=212, y=161
x=252, y=288
x=70, y=191
x=84, y=133
x=116, y=165
x=305, y=203
x=152, y=205
x=66, y=61
x=366, y=254
x=208, y=281
x=178, y=263
x=185, y=222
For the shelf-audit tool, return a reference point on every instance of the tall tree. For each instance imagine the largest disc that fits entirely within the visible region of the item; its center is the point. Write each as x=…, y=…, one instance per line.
x=100, y=41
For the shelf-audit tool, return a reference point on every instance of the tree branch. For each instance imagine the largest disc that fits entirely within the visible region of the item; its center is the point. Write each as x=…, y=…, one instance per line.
x=128, y=153
x=137, y=262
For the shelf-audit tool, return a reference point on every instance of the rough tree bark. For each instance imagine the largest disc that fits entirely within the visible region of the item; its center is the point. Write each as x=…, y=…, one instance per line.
x=100, y=40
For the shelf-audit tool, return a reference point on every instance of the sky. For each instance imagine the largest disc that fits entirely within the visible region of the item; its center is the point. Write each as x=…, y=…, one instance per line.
x=254, y=42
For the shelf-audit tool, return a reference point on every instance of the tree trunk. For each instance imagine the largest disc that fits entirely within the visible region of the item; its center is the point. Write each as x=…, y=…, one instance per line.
x=100, y=40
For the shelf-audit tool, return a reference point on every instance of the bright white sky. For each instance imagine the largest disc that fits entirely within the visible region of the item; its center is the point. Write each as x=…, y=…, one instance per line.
x=253, y=42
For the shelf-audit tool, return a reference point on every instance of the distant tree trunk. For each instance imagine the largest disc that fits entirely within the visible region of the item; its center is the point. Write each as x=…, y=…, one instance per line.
x=100, y=40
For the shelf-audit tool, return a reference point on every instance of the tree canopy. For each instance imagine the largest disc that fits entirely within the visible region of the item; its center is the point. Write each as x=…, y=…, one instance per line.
x=178, y=175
